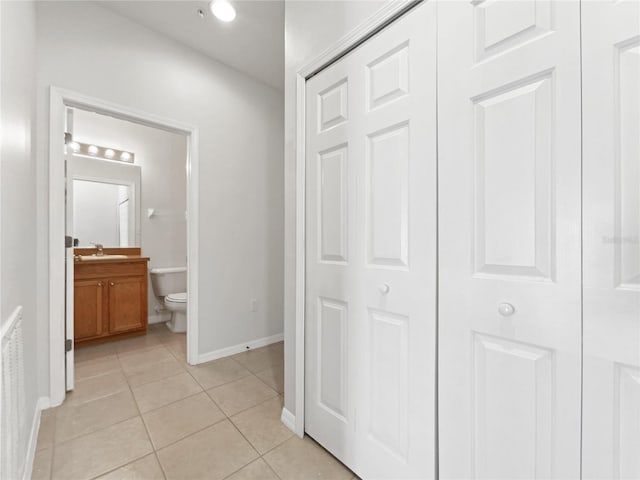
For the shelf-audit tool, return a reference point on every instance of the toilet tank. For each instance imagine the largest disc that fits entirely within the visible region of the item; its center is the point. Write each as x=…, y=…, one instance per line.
x=166, y=280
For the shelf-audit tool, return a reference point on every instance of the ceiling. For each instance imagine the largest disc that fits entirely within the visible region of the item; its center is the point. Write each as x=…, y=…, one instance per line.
x=253, y=43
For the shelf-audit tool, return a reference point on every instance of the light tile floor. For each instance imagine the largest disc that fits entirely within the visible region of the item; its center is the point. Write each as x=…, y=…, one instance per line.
x=139, y=411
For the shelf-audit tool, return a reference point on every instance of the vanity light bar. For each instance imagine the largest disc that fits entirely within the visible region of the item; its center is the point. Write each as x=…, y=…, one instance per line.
x=96, y=151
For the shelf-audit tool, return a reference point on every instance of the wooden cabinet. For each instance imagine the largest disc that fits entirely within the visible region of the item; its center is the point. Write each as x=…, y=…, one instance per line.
x=110, y=299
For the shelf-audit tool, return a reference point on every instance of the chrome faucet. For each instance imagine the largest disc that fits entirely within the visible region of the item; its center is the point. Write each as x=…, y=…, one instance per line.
x=100, y=249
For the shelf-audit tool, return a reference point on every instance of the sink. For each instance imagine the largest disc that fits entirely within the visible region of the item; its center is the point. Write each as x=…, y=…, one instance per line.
x=102, y=257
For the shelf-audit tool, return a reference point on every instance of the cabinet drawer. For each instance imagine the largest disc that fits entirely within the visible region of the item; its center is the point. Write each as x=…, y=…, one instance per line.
x=110, y=270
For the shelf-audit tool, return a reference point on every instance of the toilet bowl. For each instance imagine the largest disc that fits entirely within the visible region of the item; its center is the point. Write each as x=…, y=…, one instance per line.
x=176, y=303
x=170, y=285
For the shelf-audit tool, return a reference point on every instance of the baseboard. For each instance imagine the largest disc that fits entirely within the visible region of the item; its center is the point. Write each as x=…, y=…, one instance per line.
x=289, y=420
x=159, y=318
x=42, y=404
x=242, y=347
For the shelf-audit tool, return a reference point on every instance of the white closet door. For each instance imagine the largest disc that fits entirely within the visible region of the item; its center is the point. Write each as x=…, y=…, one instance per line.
x=371, y=257
x=611, y=140
x=509, y=239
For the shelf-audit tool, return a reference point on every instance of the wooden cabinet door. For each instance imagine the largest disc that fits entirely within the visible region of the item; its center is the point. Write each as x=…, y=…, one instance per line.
x=89, y=311
x=127, y=304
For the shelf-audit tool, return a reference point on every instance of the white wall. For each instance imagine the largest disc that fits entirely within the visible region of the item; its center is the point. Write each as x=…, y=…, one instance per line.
x=17, y=182
x=87, y=49
x=162, y=158
x=311, y=27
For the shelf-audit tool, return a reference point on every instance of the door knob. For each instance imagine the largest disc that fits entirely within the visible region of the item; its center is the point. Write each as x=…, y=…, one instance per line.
x=384, y=288
x=506, y=309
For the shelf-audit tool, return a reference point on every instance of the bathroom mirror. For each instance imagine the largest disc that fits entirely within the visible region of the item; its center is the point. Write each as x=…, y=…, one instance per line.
x=105, y=197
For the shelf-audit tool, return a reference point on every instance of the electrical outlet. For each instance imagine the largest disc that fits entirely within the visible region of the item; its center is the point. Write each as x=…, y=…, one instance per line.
x=253, y=305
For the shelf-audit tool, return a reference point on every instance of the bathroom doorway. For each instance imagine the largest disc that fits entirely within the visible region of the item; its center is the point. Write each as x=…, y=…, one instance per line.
x=131, y=198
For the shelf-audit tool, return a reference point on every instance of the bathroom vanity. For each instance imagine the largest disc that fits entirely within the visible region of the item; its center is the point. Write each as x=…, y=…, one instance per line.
x=110, y=294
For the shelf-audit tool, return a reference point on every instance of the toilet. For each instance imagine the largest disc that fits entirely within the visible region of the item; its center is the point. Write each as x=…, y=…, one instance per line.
x=170, y=284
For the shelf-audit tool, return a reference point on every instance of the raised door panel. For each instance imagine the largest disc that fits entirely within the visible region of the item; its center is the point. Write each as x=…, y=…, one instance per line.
x=89, y=309
x=387, y=191
x=512, y=409
x=127, y=304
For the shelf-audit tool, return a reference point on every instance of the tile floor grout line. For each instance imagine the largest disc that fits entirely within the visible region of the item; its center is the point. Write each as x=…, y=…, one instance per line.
x=178, y=356
x=189, y=435
x=146, y=429
x=245, y=409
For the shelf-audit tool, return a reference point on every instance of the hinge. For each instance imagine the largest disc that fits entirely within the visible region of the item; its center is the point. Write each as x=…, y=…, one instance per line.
x=68, y=345
x=68, y=241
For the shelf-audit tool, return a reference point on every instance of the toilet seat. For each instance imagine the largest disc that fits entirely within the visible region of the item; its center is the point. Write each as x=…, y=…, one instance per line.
x=177, y=297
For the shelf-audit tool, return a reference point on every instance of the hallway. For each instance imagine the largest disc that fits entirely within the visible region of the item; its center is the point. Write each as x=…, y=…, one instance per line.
x=140, y=411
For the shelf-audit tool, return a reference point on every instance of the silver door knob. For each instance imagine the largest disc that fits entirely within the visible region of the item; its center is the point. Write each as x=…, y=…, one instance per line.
x=384, y=288
x=506, y=309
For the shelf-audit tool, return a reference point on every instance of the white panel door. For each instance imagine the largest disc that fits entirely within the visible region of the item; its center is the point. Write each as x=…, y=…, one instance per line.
x=370, y=252
x=509, y=239
x=611, y=145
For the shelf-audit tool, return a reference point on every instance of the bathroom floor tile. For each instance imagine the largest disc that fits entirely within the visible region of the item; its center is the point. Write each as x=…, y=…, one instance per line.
x=158, y=394
x=146, y=468
x=257, y=470
x=180, y=419
x=89, y=389
x=97, y=367
x=100, y=452
x=135, y=362
x=261, y=358
x=183, y=432
x=42, y=464
x=237, y=396
x=88, y=417
x=218, y=372
x=261, y=425
x=155, y=371
x=137, y=344
x=93, y=352
x=178, y=348
x=274, y=377
x=213, y=453
x=47, y=428
x=299, y=459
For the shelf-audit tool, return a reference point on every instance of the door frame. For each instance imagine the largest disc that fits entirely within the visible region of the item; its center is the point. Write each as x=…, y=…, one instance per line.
x=59, y=100
x=376, y=22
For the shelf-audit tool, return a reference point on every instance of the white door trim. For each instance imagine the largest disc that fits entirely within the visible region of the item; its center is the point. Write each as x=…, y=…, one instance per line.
x=378, y=20
x=59, y=99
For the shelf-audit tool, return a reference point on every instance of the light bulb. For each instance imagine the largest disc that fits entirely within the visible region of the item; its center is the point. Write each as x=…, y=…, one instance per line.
x=93, y=150
x=109, y=153
x=74, y=146
x=125, y=156
x=223, y=10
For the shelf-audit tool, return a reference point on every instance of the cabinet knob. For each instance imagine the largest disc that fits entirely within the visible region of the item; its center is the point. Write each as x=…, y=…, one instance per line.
x=384, y=288
x=506, y=309
x=111, y=283
x=99, y=284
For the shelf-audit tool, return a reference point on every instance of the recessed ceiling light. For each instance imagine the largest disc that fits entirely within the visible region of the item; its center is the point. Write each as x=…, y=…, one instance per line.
x=223, y=10
x=125, y=156
x=93, y=150
x=75, y=146
x=109, y=153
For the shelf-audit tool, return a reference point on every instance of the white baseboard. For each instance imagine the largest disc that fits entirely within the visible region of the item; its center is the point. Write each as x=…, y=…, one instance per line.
x=289, y=420
x=241, y=347
x=158, y=318
x=42, y=404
